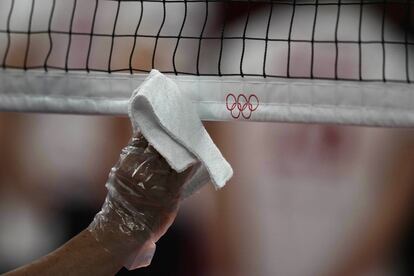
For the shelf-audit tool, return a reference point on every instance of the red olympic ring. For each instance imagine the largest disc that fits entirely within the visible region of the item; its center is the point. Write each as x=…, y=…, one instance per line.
x=241, y=105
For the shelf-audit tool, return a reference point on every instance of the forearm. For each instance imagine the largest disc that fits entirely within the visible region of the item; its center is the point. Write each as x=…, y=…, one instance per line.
x=142, y=202
x=82, y=255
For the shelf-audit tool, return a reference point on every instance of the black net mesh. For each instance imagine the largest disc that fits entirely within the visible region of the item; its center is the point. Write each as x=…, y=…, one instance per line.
x=315, y=39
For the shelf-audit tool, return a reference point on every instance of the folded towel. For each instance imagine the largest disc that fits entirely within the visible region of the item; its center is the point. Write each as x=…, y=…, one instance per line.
x=170, y=123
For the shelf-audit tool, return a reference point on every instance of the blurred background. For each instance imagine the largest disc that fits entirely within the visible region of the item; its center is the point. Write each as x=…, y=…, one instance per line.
x=304, y=199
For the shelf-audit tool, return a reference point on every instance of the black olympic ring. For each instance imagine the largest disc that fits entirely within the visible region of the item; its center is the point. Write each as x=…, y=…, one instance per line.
x=241, y=105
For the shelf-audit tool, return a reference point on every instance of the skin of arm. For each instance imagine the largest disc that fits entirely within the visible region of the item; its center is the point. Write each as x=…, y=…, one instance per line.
x=82, y=255
x=141, y=204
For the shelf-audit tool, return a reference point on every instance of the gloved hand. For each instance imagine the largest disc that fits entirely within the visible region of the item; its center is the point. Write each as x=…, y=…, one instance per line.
x=142, y=201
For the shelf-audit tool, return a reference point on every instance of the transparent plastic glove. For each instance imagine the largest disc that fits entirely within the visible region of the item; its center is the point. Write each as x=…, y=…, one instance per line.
x=142, y=202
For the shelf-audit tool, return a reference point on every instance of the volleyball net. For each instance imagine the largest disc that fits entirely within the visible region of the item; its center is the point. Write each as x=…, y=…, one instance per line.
x=312, y=61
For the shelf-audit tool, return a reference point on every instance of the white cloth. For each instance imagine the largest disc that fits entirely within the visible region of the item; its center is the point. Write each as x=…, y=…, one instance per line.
x=170, y=123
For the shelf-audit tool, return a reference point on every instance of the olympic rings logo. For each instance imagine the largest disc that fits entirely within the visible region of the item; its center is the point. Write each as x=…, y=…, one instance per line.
x=241, y=105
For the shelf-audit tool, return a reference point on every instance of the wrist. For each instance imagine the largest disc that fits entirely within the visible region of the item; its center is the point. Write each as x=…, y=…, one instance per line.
x=117, y=233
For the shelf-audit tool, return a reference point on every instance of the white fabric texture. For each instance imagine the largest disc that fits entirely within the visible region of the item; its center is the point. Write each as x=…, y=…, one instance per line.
x=280, y=100
x=170, y=123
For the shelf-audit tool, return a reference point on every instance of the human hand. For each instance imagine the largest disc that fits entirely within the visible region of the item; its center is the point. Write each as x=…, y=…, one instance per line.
x=142, y=201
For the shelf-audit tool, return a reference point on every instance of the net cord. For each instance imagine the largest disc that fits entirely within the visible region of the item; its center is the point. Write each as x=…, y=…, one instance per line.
x=304, y=101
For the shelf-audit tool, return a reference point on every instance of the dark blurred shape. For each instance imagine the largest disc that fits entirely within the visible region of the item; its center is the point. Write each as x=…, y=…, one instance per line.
x=404, y=257
x=177, y=252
